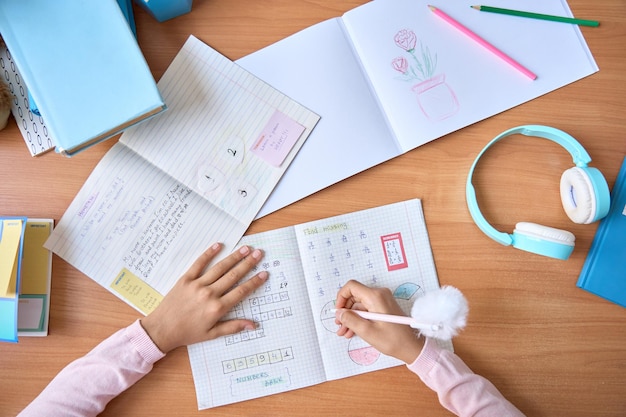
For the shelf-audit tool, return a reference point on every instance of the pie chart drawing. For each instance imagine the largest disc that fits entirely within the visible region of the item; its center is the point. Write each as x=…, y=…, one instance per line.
x=361, y=352
x=406, y=291
x=406, y=294
x=327, y=317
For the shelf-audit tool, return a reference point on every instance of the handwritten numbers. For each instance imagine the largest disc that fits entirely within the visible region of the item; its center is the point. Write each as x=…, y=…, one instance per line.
x=233, y=151
x=243, y=191
x=209, y=178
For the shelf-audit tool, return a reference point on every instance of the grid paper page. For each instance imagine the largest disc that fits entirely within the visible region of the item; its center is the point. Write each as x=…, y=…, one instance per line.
x=216, y=112
x=282, y=354
x=135, y=226
x=386, y=246
x=295, y=344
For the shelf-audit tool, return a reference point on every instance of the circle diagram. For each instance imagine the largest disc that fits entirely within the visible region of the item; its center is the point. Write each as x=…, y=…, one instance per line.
x=361, y=352
x=327, y=317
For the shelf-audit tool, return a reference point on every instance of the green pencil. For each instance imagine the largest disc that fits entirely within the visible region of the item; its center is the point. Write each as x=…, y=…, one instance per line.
x=582, y=22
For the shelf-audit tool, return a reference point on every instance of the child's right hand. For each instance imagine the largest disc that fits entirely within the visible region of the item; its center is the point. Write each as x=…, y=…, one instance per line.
x=397, y=340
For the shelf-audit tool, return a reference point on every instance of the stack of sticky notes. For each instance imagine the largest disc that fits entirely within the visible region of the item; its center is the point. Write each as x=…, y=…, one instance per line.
x=34, y=295
x=11, y=247
x=25, y=271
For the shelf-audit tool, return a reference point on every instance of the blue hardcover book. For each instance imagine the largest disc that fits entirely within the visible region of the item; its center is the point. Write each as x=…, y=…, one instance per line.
x=83, y=67
x=604, y=271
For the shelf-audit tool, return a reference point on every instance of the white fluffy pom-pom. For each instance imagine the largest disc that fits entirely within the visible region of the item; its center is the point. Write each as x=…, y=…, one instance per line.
x=441, y=313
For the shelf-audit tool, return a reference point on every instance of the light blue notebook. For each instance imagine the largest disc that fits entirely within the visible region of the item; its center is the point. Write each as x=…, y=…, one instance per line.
x=604, y=271
x=83, y=67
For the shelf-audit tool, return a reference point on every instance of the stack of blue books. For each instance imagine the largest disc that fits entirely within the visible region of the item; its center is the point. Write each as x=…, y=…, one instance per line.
x=82, y=66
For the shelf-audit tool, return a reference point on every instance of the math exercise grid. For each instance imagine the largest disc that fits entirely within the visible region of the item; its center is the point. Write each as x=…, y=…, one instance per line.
x=294, y=344
x=377, y=248
x=382, y=247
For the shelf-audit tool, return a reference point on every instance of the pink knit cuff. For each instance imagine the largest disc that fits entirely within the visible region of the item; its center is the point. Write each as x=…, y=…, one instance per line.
x=427, y=359
x=142, y=343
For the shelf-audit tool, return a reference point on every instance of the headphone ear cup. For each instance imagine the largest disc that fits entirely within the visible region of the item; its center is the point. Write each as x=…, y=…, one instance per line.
x=578, y=196
x=543, y=240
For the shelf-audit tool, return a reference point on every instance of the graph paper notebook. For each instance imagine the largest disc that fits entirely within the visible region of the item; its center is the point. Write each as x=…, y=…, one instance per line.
x=390, y=75
x=174, y=185
x=295, y=344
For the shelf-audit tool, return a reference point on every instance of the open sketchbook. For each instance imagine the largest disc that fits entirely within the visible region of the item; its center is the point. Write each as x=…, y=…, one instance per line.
x=390, y=75
x=174, y=185
x=295, y=344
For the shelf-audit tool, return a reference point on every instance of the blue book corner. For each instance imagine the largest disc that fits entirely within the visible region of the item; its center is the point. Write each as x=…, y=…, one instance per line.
x=82, y=64
x=604, y=270
x=163, y=10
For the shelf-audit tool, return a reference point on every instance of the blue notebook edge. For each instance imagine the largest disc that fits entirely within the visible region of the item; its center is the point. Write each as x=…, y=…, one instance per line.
x=9, y=307
x=587, y=280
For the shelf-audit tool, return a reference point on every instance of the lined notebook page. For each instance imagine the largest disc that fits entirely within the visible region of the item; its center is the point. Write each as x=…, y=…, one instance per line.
x=216, y=113
x=129, y=216
x=172, y=186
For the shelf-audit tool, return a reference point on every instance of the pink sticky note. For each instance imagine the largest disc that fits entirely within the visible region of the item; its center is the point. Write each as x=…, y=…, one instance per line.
x=277, y=138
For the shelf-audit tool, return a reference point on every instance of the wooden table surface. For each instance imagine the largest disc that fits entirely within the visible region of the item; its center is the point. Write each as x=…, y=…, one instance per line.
x=551, y=348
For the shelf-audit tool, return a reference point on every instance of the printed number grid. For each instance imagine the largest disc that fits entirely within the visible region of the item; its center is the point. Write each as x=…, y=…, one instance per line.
x=257, y=359
x=378, y=248
x=261, y=310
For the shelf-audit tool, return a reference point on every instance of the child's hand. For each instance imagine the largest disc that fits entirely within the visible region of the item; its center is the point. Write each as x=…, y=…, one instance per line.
x=397, y=340
x=191, y=311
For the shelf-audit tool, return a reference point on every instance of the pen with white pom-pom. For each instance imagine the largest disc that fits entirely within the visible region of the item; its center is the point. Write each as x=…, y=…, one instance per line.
x=439, y=313
x=390, y=318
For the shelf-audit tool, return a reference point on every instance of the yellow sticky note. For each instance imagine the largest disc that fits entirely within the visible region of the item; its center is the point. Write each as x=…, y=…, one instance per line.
x=9, y=251
x=36, y=261
x=136, y=292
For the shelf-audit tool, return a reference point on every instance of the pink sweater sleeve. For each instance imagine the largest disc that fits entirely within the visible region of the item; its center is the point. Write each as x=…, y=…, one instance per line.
x=459, y=389
x=85, y=386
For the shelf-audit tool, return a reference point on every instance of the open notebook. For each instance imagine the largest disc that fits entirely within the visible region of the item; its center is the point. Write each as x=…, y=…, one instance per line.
x=390, y=75
x=295, y=344
x=174, y=185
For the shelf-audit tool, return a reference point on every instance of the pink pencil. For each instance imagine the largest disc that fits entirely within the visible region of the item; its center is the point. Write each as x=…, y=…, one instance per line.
x=484, y=43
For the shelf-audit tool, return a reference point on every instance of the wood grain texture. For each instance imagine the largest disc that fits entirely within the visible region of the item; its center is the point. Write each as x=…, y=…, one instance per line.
x=551, y=348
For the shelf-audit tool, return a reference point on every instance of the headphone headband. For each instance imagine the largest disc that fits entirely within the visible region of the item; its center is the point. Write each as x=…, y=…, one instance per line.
x=579, y=155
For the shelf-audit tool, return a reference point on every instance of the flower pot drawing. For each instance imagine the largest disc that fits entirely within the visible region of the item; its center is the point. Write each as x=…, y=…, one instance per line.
x=435, y=98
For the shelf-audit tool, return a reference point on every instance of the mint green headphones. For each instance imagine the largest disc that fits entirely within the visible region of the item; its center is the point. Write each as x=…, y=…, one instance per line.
x=584, y=194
